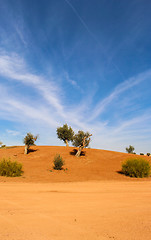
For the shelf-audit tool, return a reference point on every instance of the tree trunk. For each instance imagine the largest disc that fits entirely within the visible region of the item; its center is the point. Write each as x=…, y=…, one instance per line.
x=79, y=152
x=67, y=144
x=26, y=149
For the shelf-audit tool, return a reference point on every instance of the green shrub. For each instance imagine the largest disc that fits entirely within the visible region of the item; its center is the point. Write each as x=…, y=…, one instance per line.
x=136, y=167
x=9, y=168
x=130, y=149
x=58, y=162
x=141, y=153
x=148, y=154
x=3, y=146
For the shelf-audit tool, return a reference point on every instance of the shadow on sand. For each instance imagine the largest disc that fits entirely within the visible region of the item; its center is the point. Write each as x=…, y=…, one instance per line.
x=30, y=150
x=75, y=151
x=120, y=172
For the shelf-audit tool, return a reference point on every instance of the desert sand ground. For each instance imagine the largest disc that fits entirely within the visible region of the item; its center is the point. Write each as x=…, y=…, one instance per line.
x=93, y=165
x=90, y=200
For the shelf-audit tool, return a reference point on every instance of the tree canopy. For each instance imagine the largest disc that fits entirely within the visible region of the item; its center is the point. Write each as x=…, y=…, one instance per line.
x=65, y=133
x=81, y=140
x=130, y=149
x=29, y=140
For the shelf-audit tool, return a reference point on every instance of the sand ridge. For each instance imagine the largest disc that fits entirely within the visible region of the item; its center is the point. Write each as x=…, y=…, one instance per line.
x=89, y=201
x=94, y=165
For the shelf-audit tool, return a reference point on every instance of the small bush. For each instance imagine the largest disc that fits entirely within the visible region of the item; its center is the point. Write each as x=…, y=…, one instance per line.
x=3, y=146
x=138, y=168
x=148, y=154
x=58, y=162
x=10, y=169
x=141, y=153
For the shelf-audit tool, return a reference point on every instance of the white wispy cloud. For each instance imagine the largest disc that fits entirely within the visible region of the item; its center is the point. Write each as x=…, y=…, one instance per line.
x=135, y=131
x=12, y=132
x=16, y=109
x=71, y=81
x=95, y=38
x=21, y=34
x=20, y=111
x=121, y=88
x=136, y=122
x=14, y=67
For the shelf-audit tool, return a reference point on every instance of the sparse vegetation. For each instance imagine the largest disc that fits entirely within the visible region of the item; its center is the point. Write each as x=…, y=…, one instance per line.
x=65, y=133
x=58, y=162
x=29, y=140
x=9, y=168
x=136, y=167
x=81, y=140
x=130, y=149
x=3, y=146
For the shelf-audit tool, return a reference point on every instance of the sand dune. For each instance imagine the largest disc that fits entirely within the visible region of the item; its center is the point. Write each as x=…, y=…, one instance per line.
x=95, y=165
x=89, y=201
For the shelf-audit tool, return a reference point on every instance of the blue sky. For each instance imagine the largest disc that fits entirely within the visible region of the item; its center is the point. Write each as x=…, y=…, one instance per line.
x=81, y=62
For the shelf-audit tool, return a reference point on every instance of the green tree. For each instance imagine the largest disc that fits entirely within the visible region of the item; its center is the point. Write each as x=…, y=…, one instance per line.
x=65, y=133
x=130, y=149
x=29, y=140
x=81, y=140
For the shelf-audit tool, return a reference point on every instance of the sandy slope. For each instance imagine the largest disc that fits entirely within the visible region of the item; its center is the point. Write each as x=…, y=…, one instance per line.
x=85, y=211
x=95, y=165
x=89, y=201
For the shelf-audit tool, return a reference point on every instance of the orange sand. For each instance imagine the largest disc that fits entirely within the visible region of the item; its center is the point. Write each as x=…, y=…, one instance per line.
x=95, y=165
x=97, y=204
